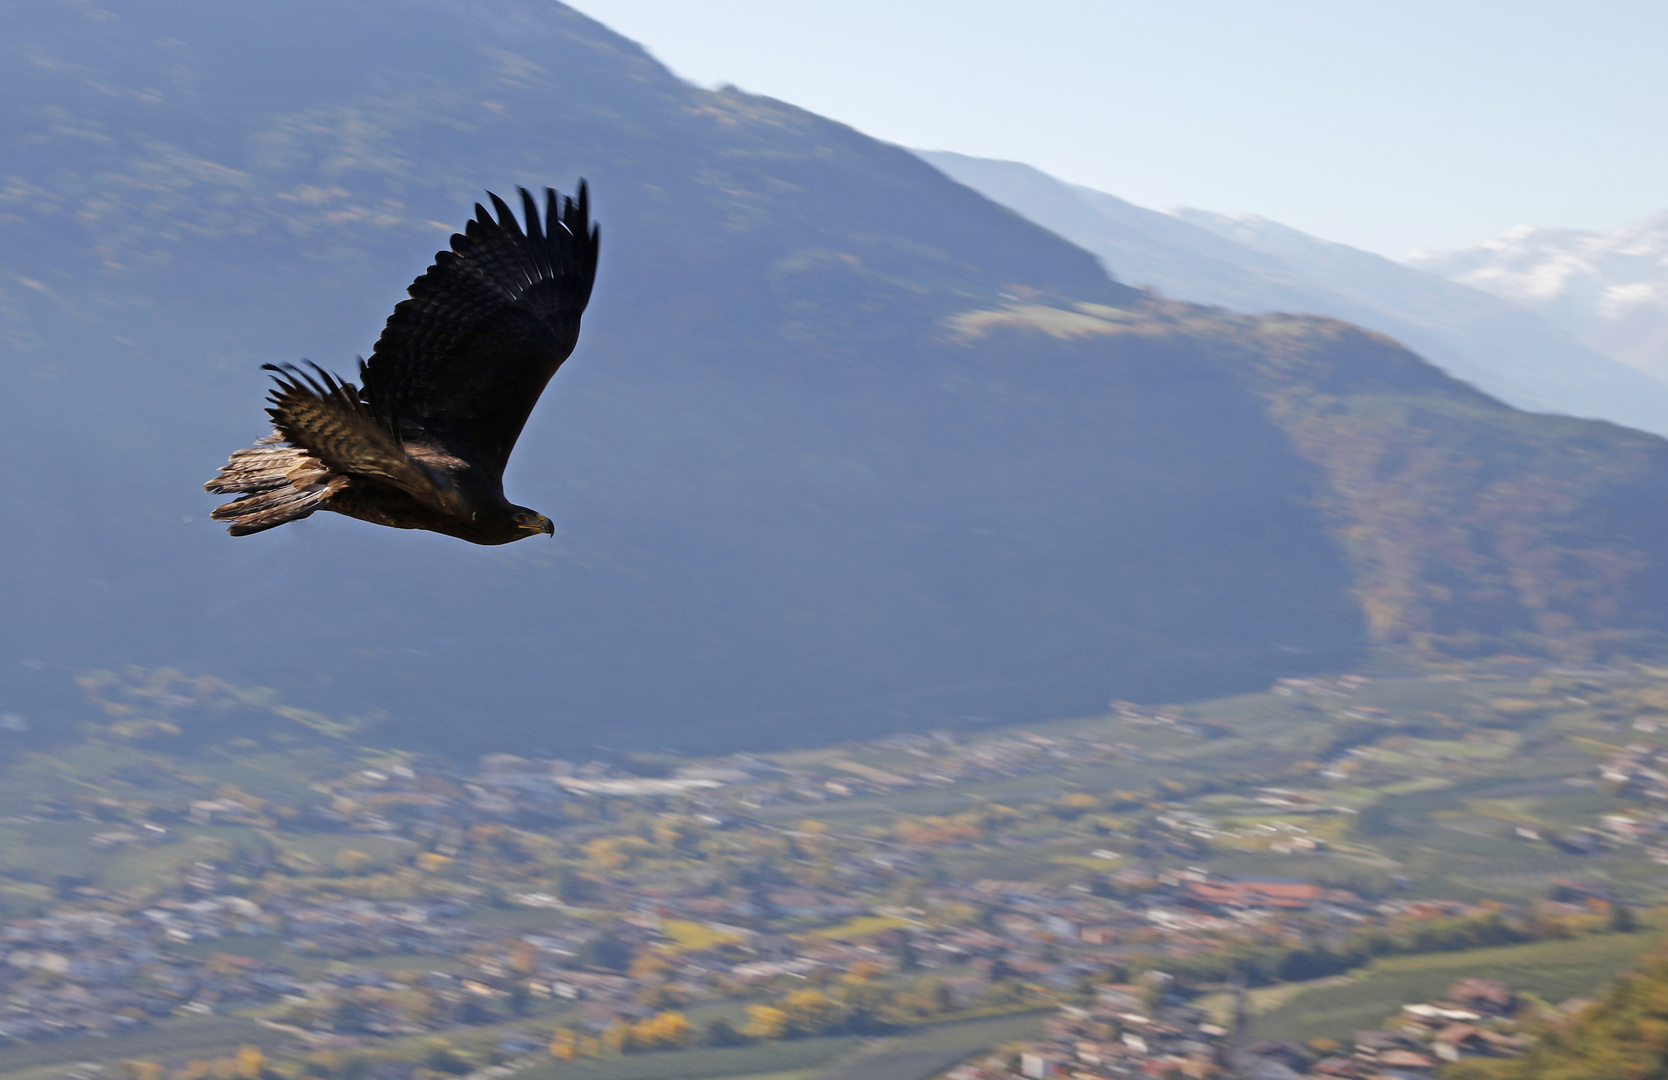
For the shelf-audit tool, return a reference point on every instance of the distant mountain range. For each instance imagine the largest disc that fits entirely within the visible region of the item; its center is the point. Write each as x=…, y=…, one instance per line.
x=846, y=447
x=1537, y=360
x=1608, y=289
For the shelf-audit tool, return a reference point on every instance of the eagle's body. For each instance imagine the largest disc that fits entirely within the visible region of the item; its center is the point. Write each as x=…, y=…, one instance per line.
x=422, y=444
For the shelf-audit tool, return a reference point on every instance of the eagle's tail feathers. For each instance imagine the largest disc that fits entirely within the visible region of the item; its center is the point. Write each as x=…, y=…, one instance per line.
x=262, y=467
x=258, y=513
x=275, y=484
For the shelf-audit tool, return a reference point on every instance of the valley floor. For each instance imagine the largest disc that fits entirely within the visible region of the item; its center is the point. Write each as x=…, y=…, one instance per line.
x=1156, y=887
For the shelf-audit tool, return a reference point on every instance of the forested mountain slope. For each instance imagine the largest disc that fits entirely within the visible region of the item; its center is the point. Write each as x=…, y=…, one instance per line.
x=841, y=451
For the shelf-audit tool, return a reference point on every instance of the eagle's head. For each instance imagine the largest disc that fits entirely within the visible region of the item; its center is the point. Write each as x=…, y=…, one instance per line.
x=531, y=522
x=501, y=524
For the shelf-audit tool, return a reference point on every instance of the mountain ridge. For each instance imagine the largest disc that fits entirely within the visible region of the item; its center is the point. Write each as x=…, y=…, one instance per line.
x=1248, y=263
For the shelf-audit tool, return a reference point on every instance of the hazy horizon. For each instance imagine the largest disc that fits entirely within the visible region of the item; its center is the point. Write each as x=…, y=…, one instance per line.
x=1422, y=127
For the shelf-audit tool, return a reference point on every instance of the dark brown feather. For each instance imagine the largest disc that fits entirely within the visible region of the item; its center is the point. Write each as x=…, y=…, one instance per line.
x=466, y=357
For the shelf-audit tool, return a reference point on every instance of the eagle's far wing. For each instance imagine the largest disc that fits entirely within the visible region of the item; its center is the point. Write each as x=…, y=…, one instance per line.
x=466, y=357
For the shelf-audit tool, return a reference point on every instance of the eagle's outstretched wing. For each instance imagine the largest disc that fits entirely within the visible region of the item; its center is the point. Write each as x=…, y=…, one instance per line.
x=464, y=360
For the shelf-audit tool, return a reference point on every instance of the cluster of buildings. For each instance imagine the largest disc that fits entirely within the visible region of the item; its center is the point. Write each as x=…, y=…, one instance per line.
x=1267, y=826
x=505, y=785
x=1638, y=772
x=1320, y=686
x=1141, y=1031
x=1475, y=1018
x=350, y=926
x=1055, y=938
x=101, y=974
x=1130, y=1031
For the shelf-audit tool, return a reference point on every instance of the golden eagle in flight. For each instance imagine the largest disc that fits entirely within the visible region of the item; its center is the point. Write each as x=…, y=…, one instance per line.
x=423, y=442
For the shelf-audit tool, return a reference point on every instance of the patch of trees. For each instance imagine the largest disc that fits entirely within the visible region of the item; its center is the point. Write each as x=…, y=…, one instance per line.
x=1622, y=1036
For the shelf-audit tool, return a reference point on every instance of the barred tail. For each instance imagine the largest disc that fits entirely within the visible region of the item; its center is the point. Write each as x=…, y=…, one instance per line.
x=275, y=484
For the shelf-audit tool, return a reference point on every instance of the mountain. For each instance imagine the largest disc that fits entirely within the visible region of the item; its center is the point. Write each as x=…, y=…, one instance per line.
x=845, y=447
x=1249, y=263
x=1608, y=289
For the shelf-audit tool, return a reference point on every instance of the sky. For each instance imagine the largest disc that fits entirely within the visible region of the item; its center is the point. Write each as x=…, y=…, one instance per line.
x=1391, y=127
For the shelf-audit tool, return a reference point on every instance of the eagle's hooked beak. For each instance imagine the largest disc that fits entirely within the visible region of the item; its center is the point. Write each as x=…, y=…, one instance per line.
x=547, y=526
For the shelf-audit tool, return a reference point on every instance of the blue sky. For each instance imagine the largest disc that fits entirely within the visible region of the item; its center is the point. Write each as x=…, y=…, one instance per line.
x=1390, y=126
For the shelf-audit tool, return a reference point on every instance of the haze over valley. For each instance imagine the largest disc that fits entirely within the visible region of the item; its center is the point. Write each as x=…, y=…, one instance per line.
x=1607, y=288
x=991, y=629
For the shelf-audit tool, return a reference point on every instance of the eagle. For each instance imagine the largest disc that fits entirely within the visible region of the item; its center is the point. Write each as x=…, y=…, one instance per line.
x=422, y=441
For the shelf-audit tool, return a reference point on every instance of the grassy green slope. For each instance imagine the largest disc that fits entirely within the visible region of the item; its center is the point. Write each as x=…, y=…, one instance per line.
x=1552, y=970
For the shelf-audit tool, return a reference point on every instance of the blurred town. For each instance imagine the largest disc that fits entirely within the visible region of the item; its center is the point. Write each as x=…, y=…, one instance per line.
x=382, y=914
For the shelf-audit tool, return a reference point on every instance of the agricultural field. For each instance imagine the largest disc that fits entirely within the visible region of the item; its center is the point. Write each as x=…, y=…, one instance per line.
x=1553, y=971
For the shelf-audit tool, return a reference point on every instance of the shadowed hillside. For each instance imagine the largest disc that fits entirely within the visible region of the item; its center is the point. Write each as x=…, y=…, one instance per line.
x=1469, y=526
x=837, y=453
